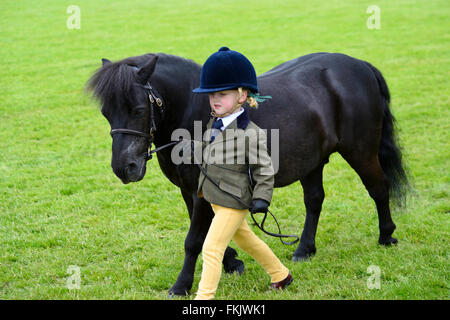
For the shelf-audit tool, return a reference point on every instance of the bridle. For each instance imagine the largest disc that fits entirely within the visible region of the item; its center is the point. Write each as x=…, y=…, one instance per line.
x=154, y=100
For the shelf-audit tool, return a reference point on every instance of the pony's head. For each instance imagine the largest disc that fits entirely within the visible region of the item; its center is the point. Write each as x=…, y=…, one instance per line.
x=120, y=87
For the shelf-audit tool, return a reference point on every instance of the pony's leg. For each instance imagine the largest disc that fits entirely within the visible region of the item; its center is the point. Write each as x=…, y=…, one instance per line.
x=201, y=215
x=313, y=197
x=230, y=263
x=371, y=174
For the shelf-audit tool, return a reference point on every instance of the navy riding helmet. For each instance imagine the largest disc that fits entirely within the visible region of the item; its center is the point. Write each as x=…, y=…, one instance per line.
x=227, y=69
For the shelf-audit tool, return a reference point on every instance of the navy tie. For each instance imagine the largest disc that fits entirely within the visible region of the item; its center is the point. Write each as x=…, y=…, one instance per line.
x=217, y=124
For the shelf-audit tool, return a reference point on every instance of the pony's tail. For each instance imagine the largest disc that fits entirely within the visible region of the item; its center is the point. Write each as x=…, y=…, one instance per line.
x=389, y=152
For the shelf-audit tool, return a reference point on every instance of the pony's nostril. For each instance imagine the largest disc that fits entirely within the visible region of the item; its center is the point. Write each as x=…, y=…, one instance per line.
x=135, y=171
x=132, y=167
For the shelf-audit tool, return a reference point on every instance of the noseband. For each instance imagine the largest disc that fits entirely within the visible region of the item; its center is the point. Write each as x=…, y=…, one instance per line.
x=154, y=100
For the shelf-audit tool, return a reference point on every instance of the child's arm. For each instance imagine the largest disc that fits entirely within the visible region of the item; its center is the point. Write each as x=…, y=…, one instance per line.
x=262, y=172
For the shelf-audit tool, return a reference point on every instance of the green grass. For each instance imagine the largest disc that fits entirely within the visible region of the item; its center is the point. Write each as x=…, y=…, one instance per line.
x=61, y=205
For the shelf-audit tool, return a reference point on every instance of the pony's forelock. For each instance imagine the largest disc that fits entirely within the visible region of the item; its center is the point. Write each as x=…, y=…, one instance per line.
x=114, y=83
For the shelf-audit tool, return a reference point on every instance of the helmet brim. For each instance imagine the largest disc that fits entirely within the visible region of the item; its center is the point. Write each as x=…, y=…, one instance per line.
x=210, y=90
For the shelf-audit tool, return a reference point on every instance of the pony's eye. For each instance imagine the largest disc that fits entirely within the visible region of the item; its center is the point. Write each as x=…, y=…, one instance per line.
x=139, y=112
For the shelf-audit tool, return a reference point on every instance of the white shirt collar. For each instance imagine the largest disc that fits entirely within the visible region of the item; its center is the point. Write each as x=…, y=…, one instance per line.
x=230, y=118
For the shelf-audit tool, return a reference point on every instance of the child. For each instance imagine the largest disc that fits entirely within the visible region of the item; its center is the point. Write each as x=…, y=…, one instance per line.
x=230, y=80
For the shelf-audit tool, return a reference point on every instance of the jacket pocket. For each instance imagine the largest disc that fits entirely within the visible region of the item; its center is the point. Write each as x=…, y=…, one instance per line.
x=236, y=191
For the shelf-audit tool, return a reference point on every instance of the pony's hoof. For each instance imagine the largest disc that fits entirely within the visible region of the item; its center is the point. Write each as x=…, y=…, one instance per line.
x=302, y=258
x=237, y=266
x=179, y=292
x=303, y=255
x=387, y=241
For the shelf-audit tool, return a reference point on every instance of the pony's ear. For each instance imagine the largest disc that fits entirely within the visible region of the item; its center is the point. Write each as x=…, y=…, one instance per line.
x=146, y=71
x=105, y=61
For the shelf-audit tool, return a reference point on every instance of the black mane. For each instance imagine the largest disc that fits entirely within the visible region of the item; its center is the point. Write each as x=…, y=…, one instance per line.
x=116, y=81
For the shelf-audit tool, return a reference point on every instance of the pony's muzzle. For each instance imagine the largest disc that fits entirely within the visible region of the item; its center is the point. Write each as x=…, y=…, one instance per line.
x=131, y=171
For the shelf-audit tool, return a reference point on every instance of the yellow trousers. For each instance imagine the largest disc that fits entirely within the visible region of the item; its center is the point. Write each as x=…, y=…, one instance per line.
x=230, y=224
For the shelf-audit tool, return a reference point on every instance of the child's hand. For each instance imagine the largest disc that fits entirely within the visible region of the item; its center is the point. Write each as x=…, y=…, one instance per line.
x=259, y=205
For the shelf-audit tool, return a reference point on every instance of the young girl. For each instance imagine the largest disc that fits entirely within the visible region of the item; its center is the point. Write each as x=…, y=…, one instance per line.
x=229, y=79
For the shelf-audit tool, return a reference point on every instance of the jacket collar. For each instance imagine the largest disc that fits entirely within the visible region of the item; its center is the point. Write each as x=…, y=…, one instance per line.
x=241, y=122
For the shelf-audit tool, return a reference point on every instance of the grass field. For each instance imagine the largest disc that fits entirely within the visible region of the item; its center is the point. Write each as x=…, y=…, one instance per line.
x=62, y=206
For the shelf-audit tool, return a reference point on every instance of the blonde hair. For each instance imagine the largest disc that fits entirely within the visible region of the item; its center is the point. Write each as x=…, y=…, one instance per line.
x=250, y=100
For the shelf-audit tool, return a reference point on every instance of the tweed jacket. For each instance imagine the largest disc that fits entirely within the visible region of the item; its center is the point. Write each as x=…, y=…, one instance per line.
x=240, y=147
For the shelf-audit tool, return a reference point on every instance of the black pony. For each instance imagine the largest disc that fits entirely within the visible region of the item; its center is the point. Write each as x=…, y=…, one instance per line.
x=321, y=103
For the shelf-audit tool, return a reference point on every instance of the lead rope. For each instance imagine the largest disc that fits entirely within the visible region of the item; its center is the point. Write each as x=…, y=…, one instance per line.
x=261, y=227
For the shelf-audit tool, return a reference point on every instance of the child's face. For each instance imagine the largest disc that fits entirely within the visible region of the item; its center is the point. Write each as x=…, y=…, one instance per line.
x=223, y=102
